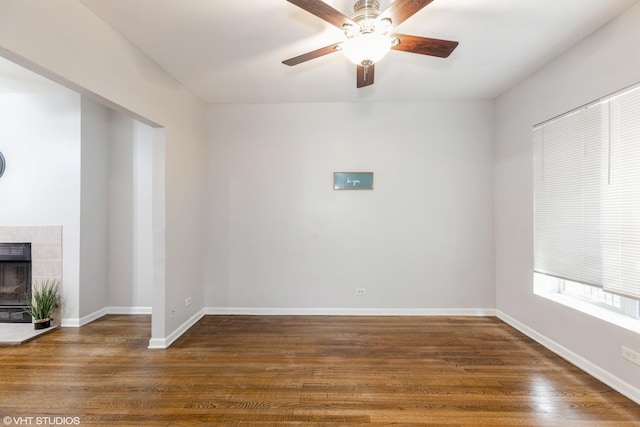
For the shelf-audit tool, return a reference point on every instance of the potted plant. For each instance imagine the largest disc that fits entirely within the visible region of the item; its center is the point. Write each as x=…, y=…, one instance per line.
x=44, y=299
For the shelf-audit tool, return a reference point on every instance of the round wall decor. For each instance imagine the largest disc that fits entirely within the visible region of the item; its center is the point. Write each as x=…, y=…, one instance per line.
x=2, y=164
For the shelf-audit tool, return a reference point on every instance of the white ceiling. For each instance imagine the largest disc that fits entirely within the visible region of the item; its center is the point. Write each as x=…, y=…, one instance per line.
x=230, y=51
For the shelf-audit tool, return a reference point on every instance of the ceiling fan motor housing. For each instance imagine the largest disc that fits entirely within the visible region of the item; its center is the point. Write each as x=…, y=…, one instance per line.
x=366, y=12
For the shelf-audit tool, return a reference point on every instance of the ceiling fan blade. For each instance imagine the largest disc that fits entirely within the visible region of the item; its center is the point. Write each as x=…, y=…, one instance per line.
x=365, y=75
x=312, y=55
x=424, y=45
x=401, y=10
x=323, y=11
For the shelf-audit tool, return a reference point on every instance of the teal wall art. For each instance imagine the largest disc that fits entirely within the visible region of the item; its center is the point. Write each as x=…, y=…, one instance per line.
x=353, y=180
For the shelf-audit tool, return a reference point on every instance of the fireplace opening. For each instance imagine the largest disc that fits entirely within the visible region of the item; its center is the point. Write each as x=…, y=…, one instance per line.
x=15, y=282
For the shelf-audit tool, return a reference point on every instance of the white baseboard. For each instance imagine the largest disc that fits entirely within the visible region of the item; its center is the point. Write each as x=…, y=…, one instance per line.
x=164, y=343
x=78, y=322
x=350, y=311
x=85, y=320
x=592, y=369
x=128, y=310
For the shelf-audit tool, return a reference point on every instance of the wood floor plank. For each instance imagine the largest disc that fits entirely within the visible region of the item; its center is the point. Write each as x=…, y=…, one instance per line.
x=305, y=370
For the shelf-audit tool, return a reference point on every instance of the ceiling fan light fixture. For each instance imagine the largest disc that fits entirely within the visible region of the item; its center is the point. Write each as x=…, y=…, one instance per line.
x=366, y=48
x=369, y=34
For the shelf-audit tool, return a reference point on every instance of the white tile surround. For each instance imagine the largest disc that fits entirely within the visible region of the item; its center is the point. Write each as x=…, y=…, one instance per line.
x=46, y=249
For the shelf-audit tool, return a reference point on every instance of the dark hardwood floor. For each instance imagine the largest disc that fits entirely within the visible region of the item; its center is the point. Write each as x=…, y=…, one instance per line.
x=305, y=370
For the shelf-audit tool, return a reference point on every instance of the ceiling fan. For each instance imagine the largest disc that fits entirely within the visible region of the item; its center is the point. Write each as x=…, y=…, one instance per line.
x=369, y=34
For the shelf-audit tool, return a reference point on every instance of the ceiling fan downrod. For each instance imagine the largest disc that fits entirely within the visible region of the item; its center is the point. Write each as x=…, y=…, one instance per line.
x=366, y=7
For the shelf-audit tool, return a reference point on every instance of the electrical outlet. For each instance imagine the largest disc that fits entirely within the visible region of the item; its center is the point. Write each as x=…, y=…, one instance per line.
x=630, y=355
x=172, y=310
x=361, y=291
x=187, y=301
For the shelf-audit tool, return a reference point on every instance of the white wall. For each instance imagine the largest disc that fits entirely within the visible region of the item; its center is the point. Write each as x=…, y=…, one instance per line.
x=94, y=208
x=130, y=213
x=40, y=138
x=143, y=156
x=603, y=63
x=280, y=237
x=101, y=63
x=121, y=203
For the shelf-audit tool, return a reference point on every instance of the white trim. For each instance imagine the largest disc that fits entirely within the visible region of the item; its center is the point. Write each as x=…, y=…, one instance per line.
x=157, y=344
x=70, y=323
x=76, y=323
x=592, y=369
x=164, y=343
x=263, y=311
x=128, y=310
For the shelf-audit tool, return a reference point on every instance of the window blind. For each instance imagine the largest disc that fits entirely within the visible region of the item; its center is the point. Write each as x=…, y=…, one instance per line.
x=587, y=195
x=621, y=205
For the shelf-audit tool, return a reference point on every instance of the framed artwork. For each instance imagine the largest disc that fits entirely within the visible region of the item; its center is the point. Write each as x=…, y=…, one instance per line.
x=353, y=180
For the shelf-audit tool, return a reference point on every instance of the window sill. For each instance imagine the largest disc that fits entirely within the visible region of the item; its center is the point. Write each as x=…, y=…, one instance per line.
x=609, y=316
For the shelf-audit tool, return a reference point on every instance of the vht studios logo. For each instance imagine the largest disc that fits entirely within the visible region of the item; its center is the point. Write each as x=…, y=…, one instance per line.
x=41, y=421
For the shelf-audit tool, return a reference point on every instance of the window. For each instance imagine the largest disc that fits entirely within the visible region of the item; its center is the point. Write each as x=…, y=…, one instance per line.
x=563, y=290
x=587, y=202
